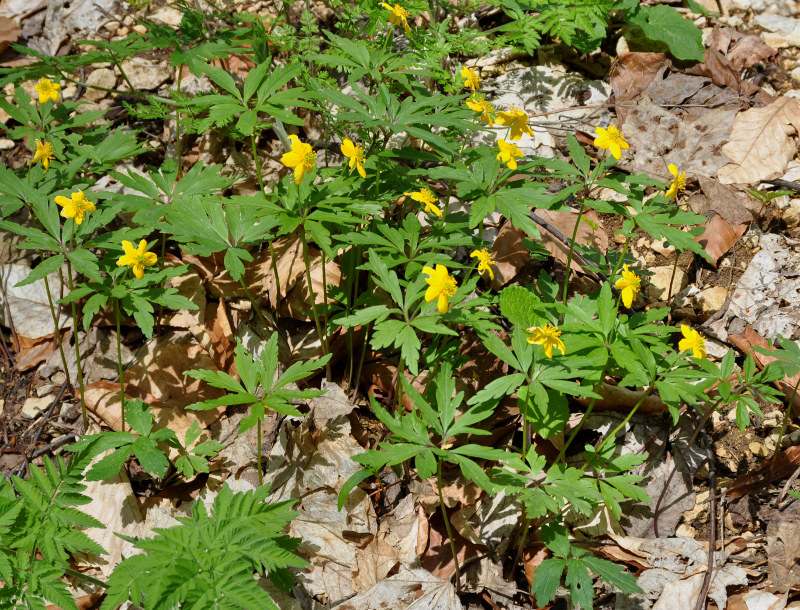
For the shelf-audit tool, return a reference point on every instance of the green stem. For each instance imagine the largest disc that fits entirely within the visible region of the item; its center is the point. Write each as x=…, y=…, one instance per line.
x=155, y=98
x=77, y=350
x=401, y=370
x=253, y=303
x=258, y=457
x=622, y=424
x=313, y=298
x=447, y=524
x=58, y=330
x=571, y=252
x=271, y=248
x=86, y=577
x=178, y=151
x=526, y=523
x=119, y=364
x=786, y=417
x=118, y=64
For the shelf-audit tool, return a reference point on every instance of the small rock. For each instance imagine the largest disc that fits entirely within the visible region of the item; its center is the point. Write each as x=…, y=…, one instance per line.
x=772, y=440
x=795, y=74
x=123, y=31
x=144, y=74
x=685, y=531
x=102, y=77
x=112, y=25
x=620, y=238
x=662, y=248
x=659, y=282
x=139, y=29
x=722, y=452
x=167, y=16
x=773, y=419
x=759, y=449
x=712, y=299
x=6, y=144
x=2, y=405
x=58, y=378
x=791, y=217
x=725, y=263
x=781, y=31
x=35, y=405
x=44, y=390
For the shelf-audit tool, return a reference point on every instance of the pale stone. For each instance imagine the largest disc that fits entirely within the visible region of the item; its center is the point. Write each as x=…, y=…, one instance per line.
x=685, y=531
x=659, y=282
x=139, y=29
x=102, y=77
x=6, y=144
x=145, y=75
x=35, y=405
x=758, y=449
x=780, y=31
x=712, y=299
x=167, y=16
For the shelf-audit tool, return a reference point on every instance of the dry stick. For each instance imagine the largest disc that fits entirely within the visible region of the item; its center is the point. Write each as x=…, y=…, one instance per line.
x=712, y=537
x=11, y=327
x=38, y=434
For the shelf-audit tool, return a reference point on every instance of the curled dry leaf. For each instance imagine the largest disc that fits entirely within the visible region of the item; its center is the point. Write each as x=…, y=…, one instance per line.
x=564, y=222
x=719, y=237
x=762, y=142
x=9, y=32
x=509, y=254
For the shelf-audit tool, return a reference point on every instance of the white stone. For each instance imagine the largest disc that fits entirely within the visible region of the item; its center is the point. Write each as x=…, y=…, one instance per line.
x=35, y=405
x=6, y=144
x=659, y=282
x=167, y=16
x=144, y=74
x=781, y=31
x=103, y=77
x=712, y=299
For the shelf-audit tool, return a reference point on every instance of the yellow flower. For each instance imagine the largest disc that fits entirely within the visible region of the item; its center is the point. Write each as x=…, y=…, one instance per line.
x=485, y=261
x=548, y=337
x=479, y=104
x=44, y=153
x=629, y=284
x=471, y=79
x=678, y=184
x=47, y=90
x=399, y=16
x=610, y=139
x=509, y=153
x=429, y=199
x=355, y=153
x=441, y=286
x=137, y=258
x=302, y=158
x=517, y=120
x=692, y=340
x=75, y=207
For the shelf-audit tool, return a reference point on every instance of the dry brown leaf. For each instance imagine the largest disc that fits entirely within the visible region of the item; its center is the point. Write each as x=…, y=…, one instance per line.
x=565, y=223
x=632, y=74
x=84, y=602
x=33, y=352
x=719, y=237
x=616, y=398
x=189, y=285
x=741, y=50
x=509, y=254
x=728, y=201
x=784, y=464
x=532, y=559
x=761, y=143
x=9, y=32
x=661, y=138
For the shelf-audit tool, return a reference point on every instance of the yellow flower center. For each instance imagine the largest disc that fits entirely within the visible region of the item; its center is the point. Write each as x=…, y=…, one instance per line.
x=309, y=160
x=449, y=286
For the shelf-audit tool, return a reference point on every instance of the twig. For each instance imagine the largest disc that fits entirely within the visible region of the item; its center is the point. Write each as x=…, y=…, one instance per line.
x=712, y=536
x=63, y=440
x=786, y=487
x=566, y=241
x=786, y=184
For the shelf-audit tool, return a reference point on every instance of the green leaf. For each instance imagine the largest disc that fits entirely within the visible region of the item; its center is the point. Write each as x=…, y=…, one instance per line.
x=665, y=24
x=85, y=262
x=43, y=269
x=579, y=581
x=522, y=307
x=546, y=579
x=350, y=484
x=578, y=155
x=613, y=574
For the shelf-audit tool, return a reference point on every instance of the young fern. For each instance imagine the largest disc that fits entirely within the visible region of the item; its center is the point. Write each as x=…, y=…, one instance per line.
x=209, y=560
x=40, y=528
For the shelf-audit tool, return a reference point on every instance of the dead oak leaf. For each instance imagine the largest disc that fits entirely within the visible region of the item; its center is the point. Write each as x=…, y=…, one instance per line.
x=761, y=143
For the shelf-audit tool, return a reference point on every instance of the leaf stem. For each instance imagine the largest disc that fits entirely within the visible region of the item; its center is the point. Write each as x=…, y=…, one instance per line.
x=313, y=298
x=571, y=251
x=447, y=524
x=117, y=316
x=77, y=349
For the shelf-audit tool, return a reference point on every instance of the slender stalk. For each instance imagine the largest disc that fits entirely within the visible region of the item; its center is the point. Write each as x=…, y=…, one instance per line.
x=253, y=303
x=258, y=457
x=786, y=417
x=628, y=417
x=447, y=524
x=58, y=329
x=526, y=523
x=77, y=349
x=571, y=251
x=117, y=315
x=271, y=248
x=86, y=577
x=401, y=371
x=178, y=147
x=672, y=277
x=118, y=64
x=313, y=298
x=325, y=299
